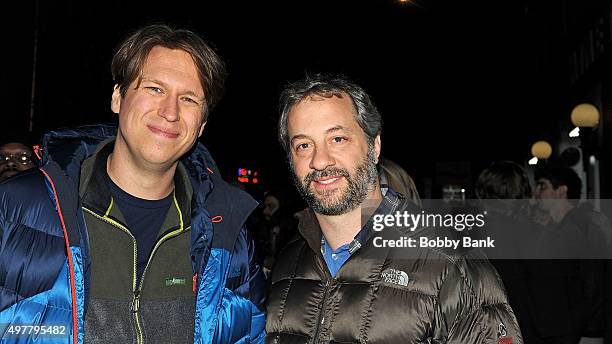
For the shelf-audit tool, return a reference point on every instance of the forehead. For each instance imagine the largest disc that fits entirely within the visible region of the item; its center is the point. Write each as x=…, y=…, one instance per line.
x=172, y=65
x=543, y=182
x=14, y=148
x=317, y=113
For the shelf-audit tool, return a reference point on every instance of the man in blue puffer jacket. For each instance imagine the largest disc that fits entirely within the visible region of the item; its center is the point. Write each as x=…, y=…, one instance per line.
x=128, y=234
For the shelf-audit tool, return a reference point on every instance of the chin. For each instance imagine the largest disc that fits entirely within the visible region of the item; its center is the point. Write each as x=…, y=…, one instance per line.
x=160, y=159
x=330, y=201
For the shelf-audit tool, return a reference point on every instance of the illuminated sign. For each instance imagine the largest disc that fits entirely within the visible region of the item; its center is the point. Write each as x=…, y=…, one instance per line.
x=248, y=176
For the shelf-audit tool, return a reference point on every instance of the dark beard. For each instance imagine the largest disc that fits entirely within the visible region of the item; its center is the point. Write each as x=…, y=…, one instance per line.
x=359, y=184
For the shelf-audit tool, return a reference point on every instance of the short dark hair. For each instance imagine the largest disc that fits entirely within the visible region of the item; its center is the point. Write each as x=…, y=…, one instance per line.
x=329, y=85
x=559, y=175
x=130, y=56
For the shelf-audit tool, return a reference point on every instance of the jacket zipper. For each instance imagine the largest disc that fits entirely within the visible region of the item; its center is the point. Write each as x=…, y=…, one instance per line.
x=136, y=291
x=135, y=298
x=71, y=277
x=172, y=234
x=321, y=319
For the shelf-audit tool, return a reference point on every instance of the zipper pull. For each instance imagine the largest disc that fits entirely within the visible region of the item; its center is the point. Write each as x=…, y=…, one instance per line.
x=135, y=303
x=38, y=151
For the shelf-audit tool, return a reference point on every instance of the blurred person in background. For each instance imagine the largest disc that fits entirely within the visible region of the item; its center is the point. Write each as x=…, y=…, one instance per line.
x=504, y=192
x=272, y=228
x=394, y=176
x=578, y=232
x=15, y=157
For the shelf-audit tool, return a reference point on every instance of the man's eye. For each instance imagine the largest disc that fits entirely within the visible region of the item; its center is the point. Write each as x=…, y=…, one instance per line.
x=190, y=100
x=154, y=89
x=302, y=146
x=338, y=139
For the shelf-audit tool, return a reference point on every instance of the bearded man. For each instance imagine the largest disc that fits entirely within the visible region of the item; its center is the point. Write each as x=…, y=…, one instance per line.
x=333, y=284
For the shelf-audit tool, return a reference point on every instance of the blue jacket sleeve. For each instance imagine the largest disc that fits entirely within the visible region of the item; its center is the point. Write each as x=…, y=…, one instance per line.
x=249, y=283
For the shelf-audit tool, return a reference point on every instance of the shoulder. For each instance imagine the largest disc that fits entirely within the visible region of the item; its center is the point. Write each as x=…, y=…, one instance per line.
x=25, y=199
x=290, y=259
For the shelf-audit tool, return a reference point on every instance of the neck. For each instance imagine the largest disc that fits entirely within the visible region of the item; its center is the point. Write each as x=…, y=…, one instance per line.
x=138, y=181
x=559, y=212
x=339, y=230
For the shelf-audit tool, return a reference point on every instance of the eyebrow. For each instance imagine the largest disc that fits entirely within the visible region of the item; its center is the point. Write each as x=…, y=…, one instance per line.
x=327, y=132
x=156, y=81
x=337, y=128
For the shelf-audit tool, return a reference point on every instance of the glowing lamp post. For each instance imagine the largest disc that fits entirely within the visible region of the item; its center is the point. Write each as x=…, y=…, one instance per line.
x=585, y=116
x=540, y=150
x=586, y=119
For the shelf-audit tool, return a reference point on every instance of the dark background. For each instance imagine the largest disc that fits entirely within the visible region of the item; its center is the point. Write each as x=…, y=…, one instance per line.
x=465, y=82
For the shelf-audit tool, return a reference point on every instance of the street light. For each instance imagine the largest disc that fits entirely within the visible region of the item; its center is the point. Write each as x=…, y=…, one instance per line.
x=541, y=150
x=585, y=116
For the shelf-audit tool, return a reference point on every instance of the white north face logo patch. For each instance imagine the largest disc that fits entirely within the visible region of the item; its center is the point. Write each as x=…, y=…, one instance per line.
x=393, y=276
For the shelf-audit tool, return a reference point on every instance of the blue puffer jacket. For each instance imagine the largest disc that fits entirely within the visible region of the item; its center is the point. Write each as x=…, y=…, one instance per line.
x=44, y=290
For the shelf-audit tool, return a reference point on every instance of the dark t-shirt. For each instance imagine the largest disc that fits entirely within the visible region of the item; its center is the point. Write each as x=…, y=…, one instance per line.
x=144, y=219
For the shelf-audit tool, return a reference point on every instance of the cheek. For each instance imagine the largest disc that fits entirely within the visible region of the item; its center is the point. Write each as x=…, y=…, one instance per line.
x=193, y=122
x=299, y=166
x=303, y=172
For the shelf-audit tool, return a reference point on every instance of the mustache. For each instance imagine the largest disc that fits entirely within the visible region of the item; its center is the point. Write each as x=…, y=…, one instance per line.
x=328, y=172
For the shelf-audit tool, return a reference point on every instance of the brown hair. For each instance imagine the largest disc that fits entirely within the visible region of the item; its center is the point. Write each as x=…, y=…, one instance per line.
x=130, y=56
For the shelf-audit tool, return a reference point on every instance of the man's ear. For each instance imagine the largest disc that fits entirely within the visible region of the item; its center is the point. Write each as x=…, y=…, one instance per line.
x=562, y=190
x=116, y=100
x=202, y=128
x=377, y=145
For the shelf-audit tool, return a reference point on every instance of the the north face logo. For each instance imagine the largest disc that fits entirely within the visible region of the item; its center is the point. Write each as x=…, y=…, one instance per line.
x=501, y=330
x=502, y=334
x=395, y=277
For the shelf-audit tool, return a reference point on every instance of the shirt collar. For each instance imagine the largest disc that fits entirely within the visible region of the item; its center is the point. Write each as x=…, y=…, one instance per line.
x=388, y=204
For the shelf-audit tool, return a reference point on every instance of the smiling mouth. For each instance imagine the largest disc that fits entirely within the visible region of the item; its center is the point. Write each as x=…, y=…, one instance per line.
x=163, y=133
x=327, y=182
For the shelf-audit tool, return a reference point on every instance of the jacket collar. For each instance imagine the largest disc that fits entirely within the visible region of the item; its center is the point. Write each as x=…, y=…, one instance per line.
x=67, y=150
x=95, y=193
x=311, y=230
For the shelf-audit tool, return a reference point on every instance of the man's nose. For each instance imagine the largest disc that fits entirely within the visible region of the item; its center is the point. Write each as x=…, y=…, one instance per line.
x=169, y=109
x=321, y=159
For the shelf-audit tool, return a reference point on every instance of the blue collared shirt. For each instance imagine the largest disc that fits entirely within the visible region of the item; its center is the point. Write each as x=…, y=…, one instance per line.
x=335, y=259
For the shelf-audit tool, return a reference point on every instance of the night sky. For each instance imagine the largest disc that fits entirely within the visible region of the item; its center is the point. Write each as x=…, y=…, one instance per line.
x=454, y=80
